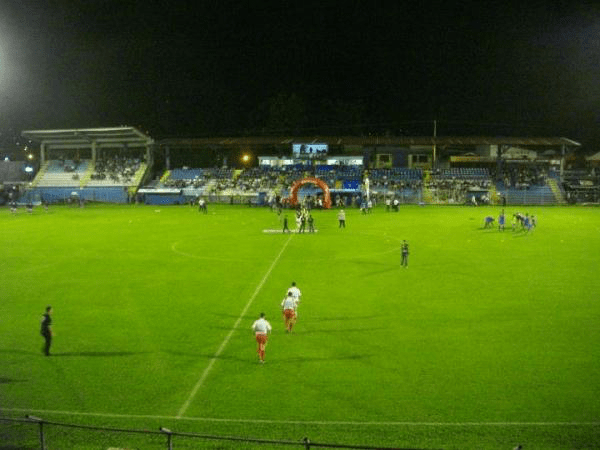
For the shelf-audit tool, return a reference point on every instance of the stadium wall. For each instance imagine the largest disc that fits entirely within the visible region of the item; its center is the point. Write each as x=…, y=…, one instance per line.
x=164, y=199
x=63, y=194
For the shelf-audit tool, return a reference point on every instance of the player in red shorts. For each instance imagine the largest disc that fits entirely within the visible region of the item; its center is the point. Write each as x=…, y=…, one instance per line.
x=296, y=294
x=288, y=307
x=261, y=328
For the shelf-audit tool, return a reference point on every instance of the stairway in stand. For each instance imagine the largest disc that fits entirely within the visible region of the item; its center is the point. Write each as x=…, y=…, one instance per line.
x=165, y=176
x=558, y=195
x=427, y=194
x=494, y=199
x=40, y=174
x=88, y=174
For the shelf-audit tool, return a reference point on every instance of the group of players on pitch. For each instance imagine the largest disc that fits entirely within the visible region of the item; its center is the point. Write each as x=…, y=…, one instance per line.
x=289, y=310
x=525, y=222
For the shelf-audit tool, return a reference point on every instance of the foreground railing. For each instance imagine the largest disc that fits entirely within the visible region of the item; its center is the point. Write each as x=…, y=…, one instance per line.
x=31, y=431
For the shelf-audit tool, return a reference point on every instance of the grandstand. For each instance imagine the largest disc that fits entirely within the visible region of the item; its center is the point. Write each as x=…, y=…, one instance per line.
x=581, y=185
x=117, y=164
x=62, y=173
x=463, y=166
x=102, y=164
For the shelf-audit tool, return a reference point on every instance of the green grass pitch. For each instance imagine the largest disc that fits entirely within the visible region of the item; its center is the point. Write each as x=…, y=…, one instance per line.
x=488, y=339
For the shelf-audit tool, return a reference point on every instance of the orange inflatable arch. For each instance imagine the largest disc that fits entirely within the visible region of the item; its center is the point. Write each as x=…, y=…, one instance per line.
x=317, y=181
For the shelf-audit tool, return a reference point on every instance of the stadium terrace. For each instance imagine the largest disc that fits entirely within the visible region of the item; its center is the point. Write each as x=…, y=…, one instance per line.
x=124, y=165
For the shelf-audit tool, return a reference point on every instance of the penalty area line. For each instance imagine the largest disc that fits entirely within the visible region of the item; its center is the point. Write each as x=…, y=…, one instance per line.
x=211, y=363
x=301, y=422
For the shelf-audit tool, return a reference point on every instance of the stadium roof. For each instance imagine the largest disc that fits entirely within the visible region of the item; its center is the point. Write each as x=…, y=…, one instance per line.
x=85, y=137
x=375, y=140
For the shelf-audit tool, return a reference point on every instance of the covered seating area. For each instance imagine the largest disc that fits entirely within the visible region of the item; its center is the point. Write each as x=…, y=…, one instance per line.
x=105, y=164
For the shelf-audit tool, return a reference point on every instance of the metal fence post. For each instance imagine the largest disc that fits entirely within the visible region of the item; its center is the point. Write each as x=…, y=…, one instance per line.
x=306, y=443
x=169, y=434
x=41, y=422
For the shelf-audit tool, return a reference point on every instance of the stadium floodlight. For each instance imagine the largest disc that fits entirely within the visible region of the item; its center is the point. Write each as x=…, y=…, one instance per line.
x=246, y=159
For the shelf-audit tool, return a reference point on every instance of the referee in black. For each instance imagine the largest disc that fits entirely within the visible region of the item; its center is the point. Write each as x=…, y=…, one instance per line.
x=46, y=330
x=405, y=252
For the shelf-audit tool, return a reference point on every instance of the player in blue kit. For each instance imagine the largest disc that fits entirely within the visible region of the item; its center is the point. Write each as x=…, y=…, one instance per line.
x=488, y=222
x=527, y=223
x=501, y=221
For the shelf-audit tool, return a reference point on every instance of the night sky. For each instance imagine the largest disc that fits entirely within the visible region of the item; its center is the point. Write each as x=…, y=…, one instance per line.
x=218, y=67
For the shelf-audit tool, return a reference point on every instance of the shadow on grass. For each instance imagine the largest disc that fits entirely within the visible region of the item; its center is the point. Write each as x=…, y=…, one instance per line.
x=305, y=359
x=370, y=262
x=384, y=266
x=284, y=360
x=101, y=354
x=344, y=330
x=329, y=319
x=232, y=316
x=11, y=380
x=205, y=356
x=19, y=352
x=225, y=328
x=393, y=268
x=82, y=354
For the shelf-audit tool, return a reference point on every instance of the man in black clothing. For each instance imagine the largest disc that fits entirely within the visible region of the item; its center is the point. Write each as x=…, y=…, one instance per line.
x=46, y=330
x=404, y=261
x=285, y=225
x=311, y=224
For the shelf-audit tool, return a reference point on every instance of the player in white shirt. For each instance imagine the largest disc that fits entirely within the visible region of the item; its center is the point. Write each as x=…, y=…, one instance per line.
x=261, y=328
x=296, y=294
x=288, y=308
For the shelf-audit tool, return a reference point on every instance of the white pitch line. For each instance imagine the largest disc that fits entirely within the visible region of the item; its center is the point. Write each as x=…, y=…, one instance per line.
x=304, y=422
x=198, y=385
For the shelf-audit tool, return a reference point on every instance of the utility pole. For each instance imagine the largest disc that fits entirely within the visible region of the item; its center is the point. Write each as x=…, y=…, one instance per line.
x=434, y=142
